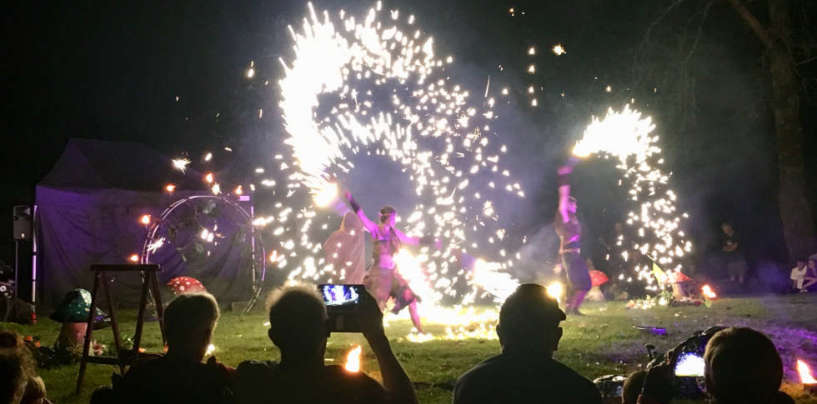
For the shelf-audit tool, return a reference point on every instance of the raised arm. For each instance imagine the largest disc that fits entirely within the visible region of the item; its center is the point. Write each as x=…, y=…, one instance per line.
x=564, y=190
x=369, y=225
x=395, y=380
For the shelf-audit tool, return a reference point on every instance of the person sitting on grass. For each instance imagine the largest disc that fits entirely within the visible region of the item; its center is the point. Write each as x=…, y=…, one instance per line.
x=18, y=381
x=298, y=327
x=525, y=371
x=802, y=276
x=180, y=376
x=741, y=366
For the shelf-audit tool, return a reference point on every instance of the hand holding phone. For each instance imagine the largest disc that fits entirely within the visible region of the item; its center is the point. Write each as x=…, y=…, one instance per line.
x=342, y=306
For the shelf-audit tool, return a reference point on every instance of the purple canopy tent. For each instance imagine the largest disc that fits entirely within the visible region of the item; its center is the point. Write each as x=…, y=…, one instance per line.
x=87, y=212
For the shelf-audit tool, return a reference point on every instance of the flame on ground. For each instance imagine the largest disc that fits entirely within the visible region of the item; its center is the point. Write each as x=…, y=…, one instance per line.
x=353, y=359
x=805, y=373
x=708, y=292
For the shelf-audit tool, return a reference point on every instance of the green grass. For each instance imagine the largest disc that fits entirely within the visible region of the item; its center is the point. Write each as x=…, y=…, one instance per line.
x=603, y=342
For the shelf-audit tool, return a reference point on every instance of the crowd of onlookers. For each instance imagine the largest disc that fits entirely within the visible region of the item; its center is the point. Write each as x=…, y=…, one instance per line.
x=741, y=365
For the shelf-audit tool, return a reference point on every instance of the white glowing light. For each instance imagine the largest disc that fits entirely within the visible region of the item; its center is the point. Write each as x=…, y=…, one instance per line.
x=804, y=372
x=180, y=163
x=707, y=291
x=690, y=365
x=326, y=194
x=559, y=49
x=353, y=359
x=210, y=349
x=556, y=290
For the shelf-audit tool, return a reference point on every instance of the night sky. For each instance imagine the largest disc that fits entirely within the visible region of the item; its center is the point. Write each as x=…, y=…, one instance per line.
x=113, y=71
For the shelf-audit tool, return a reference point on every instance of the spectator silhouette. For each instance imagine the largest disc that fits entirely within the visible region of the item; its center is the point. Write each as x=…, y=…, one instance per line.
x=632, y=387
x=180, y=376
x=742, y=366
x=298, y=327
x=525, y=371
x=19, y=382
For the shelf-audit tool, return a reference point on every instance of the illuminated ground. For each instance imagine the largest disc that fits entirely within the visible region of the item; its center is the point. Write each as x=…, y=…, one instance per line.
x=603, y=342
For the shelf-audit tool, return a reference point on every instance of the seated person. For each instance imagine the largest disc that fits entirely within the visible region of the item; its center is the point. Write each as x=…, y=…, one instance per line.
x=298, y=327
x=18, y=381
x=525, y=371
x=180, y=376
x=801, y=277
x=742, y=366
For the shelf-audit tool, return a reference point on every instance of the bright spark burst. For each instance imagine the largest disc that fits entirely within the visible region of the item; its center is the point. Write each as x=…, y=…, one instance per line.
x=559, y=49
x=181, y=163
x=655, y=227
x=428, y=127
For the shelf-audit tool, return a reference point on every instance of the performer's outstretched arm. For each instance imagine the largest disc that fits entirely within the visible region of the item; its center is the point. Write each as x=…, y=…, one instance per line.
x=406, y=239
x=415, y=241
x=564, y=191
x=369, y=225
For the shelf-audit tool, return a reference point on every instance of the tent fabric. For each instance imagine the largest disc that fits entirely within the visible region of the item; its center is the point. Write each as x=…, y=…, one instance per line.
x=88, y=208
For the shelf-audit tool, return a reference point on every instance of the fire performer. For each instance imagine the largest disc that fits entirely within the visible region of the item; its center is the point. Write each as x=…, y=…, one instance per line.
x=383, y=279
x=569, y=229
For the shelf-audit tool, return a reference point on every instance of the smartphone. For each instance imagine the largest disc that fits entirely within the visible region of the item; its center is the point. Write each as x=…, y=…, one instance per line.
x=690, y=364
x=342, y=303
x=340, y=295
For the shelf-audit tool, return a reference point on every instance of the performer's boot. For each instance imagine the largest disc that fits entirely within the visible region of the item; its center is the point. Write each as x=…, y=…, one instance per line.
x=575, y=302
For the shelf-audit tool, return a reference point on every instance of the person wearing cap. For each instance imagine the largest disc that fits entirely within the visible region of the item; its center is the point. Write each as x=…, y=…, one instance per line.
x=567, y=226
x=383, y=279
x=525, y=371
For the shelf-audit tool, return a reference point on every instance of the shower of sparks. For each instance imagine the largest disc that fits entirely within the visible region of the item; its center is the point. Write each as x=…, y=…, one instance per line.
x=388, y=95
x=655, y=226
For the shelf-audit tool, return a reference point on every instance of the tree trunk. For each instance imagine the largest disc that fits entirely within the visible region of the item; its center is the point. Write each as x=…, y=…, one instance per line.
x=795, y=210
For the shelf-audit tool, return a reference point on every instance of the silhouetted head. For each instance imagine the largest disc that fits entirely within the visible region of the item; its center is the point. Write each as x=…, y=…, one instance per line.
x=388, y=215
x=632, y=387
x=742, y=366
x=529, y=321
x=727, y=228
x=189, y=323
x=297, y=317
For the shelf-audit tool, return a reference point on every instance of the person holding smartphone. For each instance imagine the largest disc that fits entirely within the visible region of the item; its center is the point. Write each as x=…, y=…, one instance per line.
x=383, y=279
x=299, y=327
x=740, y=366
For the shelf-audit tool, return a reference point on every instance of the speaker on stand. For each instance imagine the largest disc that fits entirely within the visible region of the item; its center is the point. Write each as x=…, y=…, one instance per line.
x=22, y=232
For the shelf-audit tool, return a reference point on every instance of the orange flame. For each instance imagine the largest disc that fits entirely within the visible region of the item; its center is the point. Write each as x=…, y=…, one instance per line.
x=805, y=373
x=134, y=258
x=145, y=219
x=170, y=188
x=708, y=292
x=209, y=178
x=353, y=359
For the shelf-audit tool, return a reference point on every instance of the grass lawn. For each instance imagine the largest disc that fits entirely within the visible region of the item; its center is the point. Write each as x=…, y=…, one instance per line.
x=603, y=342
